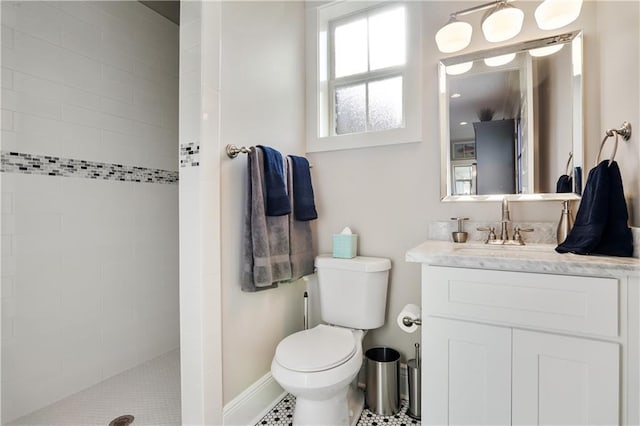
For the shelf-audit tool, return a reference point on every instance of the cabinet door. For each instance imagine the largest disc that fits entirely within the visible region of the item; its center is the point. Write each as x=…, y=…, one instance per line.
x=559, y=380
x=466, y=378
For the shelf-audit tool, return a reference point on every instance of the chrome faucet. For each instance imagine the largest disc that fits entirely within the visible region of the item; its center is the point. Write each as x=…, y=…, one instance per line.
x=504, y=230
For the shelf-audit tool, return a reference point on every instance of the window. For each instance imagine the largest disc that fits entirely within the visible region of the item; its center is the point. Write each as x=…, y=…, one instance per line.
x=365, y=60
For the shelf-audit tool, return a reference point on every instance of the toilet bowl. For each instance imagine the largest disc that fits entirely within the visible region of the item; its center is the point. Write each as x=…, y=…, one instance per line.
x=319, y=367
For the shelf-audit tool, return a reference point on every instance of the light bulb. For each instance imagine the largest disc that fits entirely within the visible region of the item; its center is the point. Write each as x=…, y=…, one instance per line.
x=458, y=69
x=554, y=14
x=502, y=23
x=454, y=36
x=497, y=61
x=546, y=51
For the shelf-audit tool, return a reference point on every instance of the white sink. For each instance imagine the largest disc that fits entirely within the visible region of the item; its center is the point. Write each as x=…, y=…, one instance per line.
x=501, y=249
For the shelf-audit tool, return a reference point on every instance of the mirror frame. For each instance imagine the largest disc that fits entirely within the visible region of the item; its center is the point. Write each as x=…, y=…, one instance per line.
x=575, y=38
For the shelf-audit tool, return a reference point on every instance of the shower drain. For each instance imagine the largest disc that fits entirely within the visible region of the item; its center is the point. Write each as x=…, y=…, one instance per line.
x=125, y=420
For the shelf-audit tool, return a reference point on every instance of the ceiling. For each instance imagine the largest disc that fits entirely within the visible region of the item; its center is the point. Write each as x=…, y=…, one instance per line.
x=168, y=8
x=497, y=90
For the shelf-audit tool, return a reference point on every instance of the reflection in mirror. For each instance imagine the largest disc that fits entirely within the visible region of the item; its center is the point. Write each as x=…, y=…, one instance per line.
x=511, y=121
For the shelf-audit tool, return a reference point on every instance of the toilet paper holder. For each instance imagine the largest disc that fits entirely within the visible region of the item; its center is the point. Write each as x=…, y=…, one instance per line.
x=408, y=321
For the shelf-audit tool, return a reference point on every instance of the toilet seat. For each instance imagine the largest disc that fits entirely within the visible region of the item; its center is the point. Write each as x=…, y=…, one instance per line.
x=320, y=348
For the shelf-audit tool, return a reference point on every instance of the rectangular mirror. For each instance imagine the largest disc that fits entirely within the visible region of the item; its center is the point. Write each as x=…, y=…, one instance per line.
x=511, y=121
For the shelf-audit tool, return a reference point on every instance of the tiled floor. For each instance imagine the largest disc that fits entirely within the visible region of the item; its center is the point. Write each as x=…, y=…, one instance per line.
x=282, y=414
x=150, y=392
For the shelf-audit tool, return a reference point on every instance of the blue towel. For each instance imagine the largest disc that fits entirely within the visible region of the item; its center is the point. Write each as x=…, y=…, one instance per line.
x=601, y=222
x=577, y=175
x=276, y=200
x=304, y=207
x=617, y=239
x=564, y=184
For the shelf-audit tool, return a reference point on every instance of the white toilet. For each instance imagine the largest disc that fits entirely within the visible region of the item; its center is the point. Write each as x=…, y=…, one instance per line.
x=320, y=366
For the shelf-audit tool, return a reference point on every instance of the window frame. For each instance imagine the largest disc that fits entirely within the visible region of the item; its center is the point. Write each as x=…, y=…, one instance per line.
x=321, y=83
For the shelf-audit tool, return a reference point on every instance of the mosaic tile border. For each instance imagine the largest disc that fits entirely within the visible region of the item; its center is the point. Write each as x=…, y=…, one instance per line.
x=189, y=154
x=33, y=164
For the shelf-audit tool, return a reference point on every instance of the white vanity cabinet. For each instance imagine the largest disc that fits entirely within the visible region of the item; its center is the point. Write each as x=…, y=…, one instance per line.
x=528, y=342
x=560, y=380
x=466, y=373
x=477, y=373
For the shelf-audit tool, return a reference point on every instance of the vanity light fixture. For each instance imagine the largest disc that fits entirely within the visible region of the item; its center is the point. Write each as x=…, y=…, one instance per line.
x=502, y=21
x=454, y=36
x=458, y=69
x=545, y=51
x=554, y=14
x=497, y=61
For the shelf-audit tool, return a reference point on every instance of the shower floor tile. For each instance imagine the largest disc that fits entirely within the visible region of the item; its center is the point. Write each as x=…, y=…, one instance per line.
x=150, y=392
x=282, y=415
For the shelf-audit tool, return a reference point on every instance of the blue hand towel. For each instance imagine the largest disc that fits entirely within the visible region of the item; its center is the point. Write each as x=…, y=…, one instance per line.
x=564, y=184
x=601, y=221
x=617, y=239
x=304, y=207
x=276, y=200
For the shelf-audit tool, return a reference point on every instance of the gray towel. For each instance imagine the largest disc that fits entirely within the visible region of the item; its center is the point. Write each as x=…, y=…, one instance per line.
x=300, y=237
x=266, y=238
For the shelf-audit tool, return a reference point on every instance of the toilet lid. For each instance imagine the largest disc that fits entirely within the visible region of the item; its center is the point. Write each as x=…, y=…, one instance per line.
x=320, y=348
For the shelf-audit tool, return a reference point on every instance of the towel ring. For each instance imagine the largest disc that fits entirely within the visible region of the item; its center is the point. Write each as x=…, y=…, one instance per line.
x=624, y=131
x=607, y=135
x=569, y=171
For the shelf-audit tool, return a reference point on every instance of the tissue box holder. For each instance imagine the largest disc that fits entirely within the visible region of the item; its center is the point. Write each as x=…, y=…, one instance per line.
x=345, y=246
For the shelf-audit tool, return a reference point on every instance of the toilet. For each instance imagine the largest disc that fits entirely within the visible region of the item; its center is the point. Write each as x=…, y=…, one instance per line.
x=320, y=366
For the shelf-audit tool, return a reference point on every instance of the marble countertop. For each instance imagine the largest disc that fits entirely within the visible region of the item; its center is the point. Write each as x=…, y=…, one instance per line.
x=528, y=258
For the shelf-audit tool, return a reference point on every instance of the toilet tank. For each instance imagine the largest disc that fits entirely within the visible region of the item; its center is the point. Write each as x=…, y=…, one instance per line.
x=353, y=292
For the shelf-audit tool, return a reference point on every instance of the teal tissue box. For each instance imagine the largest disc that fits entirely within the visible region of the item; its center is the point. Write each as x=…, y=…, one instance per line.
x=345, y=246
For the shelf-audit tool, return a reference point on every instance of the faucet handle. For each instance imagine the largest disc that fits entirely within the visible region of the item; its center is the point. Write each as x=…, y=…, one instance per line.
x=492, y=232
x=517, y=237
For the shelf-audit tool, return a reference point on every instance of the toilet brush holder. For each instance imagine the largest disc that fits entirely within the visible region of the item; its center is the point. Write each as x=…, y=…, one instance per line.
x=414, y=382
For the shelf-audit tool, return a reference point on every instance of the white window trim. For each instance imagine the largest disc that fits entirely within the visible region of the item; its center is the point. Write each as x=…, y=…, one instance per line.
x=317, y=91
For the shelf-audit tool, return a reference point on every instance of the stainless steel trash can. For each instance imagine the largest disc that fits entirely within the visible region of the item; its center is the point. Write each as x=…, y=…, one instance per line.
x=383, y=381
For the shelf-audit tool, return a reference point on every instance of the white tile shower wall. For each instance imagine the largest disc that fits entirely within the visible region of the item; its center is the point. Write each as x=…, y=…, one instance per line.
x=200, y=269
x=89, y=267
x=91, y=81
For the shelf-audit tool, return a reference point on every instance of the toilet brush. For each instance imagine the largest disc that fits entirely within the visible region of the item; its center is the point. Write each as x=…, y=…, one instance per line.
x=305, y=313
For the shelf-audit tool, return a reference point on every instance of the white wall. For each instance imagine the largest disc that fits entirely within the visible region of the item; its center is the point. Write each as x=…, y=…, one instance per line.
x=619, y=69
x=388, y=195
x=262, y=102
x=89, y=267
x=200, y=316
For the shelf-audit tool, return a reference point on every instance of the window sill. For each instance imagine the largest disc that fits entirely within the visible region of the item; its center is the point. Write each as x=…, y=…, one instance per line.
x=362, y=140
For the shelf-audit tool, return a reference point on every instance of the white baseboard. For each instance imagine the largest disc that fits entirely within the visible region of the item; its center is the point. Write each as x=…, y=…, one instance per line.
x=253, y=403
